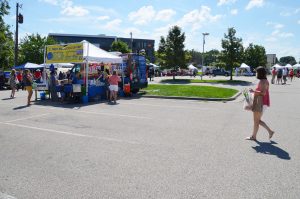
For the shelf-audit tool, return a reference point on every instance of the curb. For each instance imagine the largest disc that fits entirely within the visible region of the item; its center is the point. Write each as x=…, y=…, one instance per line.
x=193, y=98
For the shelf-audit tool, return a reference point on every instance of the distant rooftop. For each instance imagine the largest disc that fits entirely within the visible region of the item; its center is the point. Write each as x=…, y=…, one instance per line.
x=93, y=36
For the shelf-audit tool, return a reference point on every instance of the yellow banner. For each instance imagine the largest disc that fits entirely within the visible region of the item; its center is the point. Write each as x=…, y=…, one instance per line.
x=71, y=53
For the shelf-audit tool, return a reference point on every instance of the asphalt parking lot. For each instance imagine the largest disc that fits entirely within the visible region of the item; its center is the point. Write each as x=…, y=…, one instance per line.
x=148, y=148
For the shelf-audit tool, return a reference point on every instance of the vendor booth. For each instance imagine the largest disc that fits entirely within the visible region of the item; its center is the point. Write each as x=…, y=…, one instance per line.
x=40, y=82
x=88, y=60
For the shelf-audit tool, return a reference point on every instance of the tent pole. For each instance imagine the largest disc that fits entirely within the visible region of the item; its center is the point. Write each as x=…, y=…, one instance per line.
x=87, y=72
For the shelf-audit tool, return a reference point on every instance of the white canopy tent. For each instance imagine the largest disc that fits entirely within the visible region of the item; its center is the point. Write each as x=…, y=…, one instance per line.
x=92, y=53
x=28, y=66
x=154, y=65
x=289, y=66
x=277, y=66
x=296, y=66
x=245, y=66
x=192, y=67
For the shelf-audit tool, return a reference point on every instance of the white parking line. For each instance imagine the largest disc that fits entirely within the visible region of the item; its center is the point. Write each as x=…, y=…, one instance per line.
x=68, y=133
x=26, y=118
x=88, y=112
x=5, y=196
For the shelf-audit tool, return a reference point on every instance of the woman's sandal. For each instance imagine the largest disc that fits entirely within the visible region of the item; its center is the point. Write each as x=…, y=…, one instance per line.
x=251, y=138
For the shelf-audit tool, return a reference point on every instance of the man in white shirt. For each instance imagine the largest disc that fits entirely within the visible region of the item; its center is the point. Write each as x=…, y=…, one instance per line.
x=284, y=75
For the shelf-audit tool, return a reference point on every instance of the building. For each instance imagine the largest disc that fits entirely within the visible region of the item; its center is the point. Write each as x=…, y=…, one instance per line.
x=104, y=42
x=271, y=60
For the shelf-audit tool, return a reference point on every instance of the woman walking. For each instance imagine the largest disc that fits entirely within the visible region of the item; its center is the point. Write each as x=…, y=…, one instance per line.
x=260, y=102
x=27, y=80
x=13, y=83
x=113, y=86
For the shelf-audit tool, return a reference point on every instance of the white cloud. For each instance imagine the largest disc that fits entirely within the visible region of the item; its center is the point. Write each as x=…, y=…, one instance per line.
x=52, y=2
x=165, y=15
x=285, y=34
x=223, y=2
x=144, y=15
x=113, y=25
x=197, y=18
x=75, y=11
x=275, y=25
x=234, y=11
x=254, y=3
x=285, y=14
x=102, y=18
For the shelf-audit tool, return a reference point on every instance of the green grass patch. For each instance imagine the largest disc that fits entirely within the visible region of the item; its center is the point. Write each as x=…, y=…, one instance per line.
x=189, y=91
x=187, y=81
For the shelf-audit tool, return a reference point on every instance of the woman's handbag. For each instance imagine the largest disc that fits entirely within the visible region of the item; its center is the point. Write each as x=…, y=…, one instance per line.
x=248, y=101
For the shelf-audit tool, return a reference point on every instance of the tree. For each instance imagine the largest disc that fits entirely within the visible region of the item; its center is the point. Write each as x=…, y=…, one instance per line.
x=232, y=52
x=174, y=49
x=120, y=46
x=287, y=60
x=32, y=48
x=6, y=39
x=255, y=56
x=161, y=52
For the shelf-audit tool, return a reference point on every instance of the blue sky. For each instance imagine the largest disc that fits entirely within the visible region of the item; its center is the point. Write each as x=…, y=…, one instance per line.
x=275, y=24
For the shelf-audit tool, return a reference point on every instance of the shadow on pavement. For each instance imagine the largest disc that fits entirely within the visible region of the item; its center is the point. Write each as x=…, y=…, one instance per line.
x=8, y=98
x=20, y=107
x=269, y=149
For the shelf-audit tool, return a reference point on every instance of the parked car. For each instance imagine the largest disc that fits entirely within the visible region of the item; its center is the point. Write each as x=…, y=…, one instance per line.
x=248, y=73
x=216, y=72
x=2, y=80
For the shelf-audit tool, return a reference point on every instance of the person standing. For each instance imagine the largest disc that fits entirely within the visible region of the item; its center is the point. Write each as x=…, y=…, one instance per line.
x=291, y=74
x=284, y=75
x=13, y=83
x=273, y=75
x=27, y=80
x=260, y=102
x=113, y=86
x=279, y=76
x=53, y=92
x=106, y=84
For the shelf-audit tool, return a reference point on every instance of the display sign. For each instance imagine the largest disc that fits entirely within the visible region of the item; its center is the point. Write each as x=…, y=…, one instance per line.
x=41, y=86
x=71, y=53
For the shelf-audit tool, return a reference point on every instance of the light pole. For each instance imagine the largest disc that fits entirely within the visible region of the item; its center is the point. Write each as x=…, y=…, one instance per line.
x=131, y=42
x=204, y=34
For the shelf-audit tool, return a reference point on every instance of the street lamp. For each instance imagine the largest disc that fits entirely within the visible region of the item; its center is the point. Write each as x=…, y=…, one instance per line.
x=131, y=41
x=204, y=34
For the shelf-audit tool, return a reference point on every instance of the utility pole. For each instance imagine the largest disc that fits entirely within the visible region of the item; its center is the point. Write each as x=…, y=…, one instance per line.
x=19, y=19
x=204, y=34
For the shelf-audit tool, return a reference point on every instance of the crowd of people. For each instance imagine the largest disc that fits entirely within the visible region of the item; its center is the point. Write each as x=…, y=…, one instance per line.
x=25, y=79
x=281, y=75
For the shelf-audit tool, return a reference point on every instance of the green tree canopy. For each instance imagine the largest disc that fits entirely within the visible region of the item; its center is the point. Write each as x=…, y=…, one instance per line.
x=255, y=56
x=32, y=48
x=120, y=46
x=172, y=50
x=287, y=60
x=232, y=52
x=6, y=39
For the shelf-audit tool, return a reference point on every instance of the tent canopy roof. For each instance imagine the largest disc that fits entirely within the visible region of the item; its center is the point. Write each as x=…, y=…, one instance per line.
x=192, y=67
x=243, y=65
x=28, y=65
x=92, y=53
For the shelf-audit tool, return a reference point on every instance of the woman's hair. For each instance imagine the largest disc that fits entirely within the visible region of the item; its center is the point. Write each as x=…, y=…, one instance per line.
x=13, y=72
x=27, y=71
x=114, y=72
x=107, y=71
x=261, y=73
